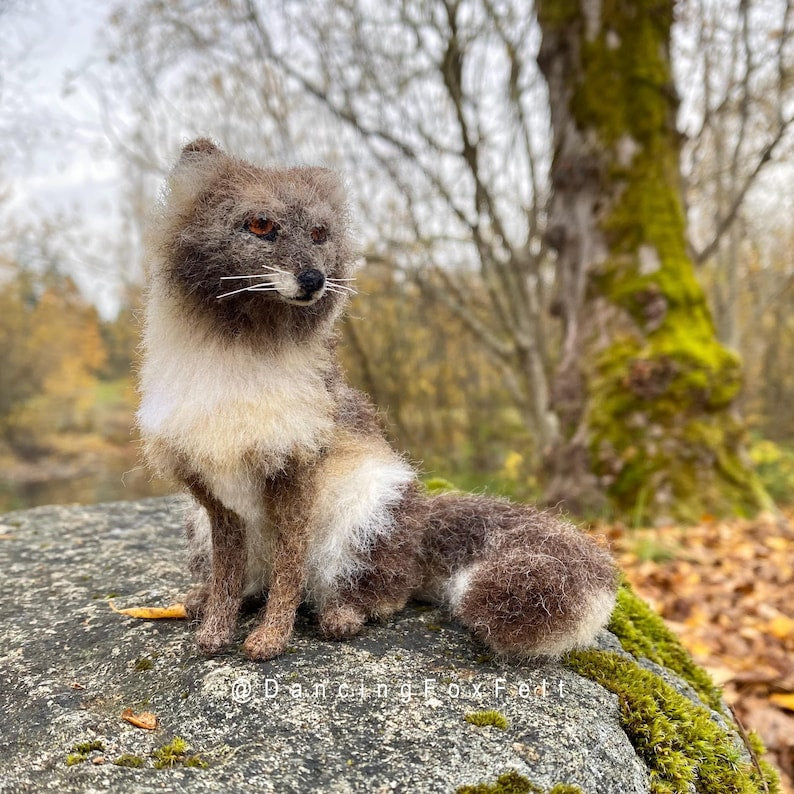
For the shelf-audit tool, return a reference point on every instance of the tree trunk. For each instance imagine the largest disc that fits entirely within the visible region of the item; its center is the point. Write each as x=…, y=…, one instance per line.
x=644, y=389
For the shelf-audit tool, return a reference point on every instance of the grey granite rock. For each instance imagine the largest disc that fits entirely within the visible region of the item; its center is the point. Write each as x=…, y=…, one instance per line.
x=384, y=712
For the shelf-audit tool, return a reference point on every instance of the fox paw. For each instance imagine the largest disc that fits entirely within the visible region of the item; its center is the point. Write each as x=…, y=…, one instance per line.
x=383, y=610
x=264, y=643
x=341, y=622
x=213, y=639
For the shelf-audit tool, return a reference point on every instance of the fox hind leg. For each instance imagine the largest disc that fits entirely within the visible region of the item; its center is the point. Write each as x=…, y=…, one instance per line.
x=387, y=573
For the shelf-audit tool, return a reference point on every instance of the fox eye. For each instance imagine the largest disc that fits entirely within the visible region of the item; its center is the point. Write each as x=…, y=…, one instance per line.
x=262, y=226
x=319, y=235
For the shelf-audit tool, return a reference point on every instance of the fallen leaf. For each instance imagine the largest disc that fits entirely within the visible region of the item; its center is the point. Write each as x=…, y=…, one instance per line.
x=757, y=675
x=145, y=719
x=781, y=627
x=152, y=613
x=721, y=675
x=775, y=726
x=783, y=699
x=699, y=648
x=726, y=589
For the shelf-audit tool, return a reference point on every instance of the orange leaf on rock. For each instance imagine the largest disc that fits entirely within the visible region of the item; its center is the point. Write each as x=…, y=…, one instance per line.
x=145, y=719
x=152, y=613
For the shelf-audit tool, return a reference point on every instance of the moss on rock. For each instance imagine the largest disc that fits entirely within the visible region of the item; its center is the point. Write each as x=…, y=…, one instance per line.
x=88, y=747
x=513, y=783
x=485, y=718
x=81, y=751
x=682, y=746
x=176, y=752
x=643, y=633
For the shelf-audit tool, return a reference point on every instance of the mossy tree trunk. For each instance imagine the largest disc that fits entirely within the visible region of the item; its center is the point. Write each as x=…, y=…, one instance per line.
x=644, y=389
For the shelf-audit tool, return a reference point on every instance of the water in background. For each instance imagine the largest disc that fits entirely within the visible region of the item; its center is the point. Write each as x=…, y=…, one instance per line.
x=104, y=485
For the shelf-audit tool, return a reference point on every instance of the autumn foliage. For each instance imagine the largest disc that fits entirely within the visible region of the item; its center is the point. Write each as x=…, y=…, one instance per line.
x=53, y=353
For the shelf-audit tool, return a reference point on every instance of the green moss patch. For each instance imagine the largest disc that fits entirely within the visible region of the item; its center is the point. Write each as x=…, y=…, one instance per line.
x=513, y=783
x=176, y=753
x=435, y=485
x=88, y=747
x=490, y=717
x=642, y=632
x=80, y=751
x=678, y=741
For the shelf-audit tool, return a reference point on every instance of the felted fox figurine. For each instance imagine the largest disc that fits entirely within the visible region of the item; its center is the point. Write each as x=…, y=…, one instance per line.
x=297, y=493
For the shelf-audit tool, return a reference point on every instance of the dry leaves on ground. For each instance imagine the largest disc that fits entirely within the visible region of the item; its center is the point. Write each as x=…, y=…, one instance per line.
x=727, y=589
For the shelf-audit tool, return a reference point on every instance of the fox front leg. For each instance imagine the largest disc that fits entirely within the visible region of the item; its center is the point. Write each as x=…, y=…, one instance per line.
x=288, y=496
x=225, y=587
x=274, y=628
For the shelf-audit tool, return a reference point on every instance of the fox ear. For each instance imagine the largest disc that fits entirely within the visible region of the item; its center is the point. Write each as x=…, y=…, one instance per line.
x=197, y=150
x=195, y=169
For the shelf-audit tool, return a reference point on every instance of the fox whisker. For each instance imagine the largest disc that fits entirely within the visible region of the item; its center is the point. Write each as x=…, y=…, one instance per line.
x=276, y=270
x=331, y=288
x=251, y=288
x=330, y=284
x=258, y=275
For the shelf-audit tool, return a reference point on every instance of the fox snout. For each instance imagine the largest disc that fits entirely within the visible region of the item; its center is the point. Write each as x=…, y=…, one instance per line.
x=310, y=281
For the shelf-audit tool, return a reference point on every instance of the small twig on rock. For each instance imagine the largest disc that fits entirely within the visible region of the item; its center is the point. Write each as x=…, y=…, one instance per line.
x=748, y=744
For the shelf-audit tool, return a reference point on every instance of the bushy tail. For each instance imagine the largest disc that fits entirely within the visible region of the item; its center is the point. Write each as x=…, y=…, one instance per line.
x=533, y=584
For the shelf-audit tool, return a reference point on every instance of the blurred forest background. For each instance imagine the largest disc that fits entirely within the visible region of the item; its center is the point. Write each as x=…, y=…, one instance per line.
x=577, y=271
x=438, y=115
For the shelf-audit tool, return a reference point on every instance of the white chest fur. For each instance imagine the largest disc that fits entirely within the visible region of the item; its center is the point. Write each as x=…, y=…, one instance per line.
x=214, y=404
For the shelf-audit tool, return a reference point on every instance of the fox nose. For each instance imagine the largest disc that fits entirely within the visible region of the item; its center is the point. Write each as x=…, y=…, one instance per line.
x=310, y=280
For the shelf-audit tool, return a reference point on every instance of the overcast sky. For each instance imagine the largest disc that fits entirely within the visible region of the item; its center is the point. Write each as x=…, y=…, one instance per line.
x=53, y=158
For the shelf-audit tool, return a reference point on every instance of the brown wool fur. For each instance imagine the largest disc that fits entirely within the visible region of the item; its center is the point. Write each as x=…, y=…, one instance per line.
x=297, y=494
